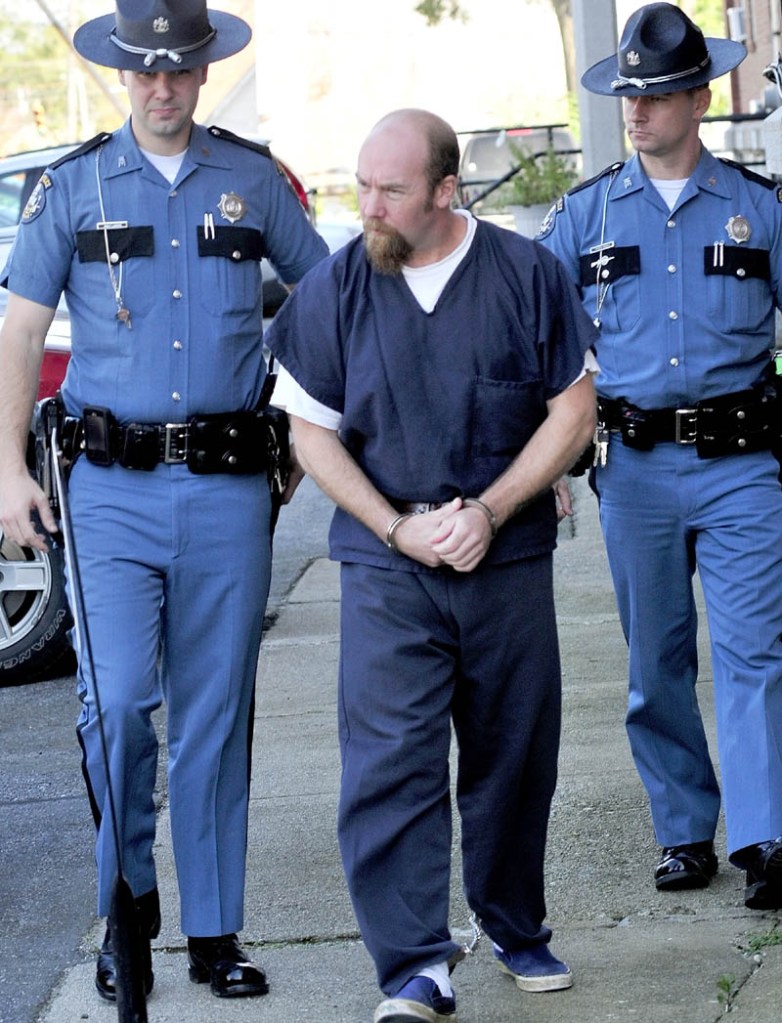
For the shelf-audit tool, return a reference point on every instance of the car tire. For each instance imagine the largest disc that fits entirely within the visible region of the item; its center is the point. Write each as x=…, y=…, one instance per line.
x=34, y=616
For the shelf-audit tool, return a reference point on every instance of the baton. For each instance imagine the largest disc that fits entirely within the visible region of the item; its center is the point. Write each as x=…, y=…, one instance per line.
x=125, y=928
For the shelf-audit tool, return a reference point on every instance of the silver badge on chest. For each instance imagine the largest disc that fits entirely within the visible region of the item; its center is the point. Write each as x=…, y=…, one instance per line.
x=738, y=229
x=232, y=207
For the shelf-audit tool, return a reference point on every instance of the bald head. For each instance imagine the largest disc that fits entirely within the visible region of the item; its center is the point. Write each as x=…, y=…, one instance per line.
x=440, y=147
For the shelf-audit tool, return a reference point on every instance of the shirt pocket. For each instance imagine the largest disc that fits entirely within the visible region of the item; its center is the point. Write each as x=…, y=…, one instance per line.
x=505, y=415
x=738, y=289
x=611, y=283
x=122, y=258
x=229, y=272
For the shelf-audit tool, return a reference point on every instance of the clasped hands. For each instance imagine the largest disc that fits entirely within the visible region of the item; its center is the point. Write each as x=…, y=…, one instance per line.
x=455, y=534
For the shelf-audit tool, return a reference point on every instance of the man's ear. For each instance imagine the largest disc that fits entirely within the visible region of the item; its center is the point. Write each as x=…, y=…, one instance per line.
x=445, y=192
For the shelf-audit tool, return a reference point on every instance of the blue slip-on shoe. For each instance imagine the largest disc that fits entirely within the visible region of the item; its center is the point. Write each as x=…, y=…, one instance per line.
x=419, y=999
x=535, y=969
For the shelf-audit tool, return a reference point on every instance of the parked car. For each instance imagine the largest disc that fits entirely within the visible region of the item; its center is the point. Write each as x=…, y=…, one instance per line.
x=34, y=615
x=486, y=156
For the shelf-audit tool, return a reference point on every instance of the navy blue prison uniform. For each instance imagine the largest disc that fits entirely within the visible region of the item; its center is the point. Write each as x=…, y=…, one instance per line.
x=686, y=301
x=172, y=563
x=437, y=405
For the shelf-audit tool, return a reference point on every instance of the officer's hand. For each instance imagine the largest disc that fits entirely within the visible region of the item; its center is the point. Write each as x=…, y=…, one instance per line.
x=563, y=498
x=296, y=474
x=22, y=496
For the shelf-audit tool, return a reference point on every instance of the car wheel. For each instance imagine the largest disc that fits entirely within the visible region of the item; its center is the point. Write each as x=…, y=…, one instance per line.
x=34, y=615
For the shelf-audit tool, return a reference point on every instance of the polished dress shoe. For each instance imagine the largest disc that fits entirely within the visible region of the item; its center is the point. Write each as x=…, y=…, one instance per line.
x=148, y=910
x=763, y=863
x=685, y=866
x=222, y=963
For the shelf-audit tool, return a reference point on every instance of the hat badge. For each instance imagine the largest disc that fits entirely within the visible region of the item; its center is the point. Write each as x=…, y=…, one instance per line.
x=633, y=58
x=160, y=26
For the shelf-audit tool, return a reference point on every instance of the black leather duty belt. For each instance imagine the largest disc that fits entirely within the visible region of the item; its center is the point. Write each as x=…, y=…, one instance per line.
x=231, y=442
x=736, y=423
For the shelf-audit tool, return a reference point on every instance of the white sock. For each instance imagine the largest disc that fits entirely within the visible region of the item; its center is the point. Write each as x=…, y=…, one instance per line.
x=439, y=974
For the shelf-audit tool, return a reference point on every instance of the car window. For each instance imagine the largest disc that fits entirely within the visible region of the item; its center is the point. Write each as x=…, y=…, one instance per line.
x=13, y=196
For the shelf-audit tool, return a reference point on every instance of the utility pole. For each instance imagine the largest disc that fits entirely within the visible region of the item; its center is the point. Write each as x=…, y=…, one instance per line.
x=602, y=131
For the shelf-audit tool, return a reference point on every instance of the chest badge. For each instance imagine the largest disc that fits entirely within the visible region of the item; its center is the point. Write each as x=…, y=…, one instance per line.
x=738, y=229
x=232, y=207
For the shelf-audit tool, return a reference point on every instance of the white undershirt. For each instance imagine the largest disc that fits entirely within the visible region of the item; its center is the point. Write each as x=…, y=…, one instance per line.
x=669, y=190
x=167, y=165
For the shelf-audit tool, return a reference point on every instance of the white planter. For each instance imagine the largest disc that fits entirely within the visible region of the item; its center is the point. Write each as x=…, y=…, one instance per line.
x=529, y=218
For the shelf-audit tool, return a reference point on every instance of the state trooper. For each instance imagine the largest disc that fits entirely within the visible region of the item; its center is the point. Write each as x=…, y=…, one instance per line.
x=155, y=233
x=678, y=257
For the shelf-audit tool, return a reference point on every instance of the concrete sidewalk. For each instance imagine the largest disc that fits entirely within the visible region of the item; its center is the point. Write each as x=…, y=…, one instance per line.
x=635, y=954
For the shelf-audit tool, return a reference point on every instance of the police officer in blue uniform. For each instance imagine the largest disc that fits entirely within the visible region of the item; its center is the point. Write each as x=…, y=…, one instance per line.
x=678, y=257
x=436, y=381
x=155, y=234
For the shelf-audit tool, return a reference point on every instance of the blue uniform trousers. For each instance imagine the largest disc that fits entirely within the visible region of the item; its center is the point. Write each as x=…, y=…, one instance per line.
x=419, y=650
x=175, y=570
x=665, y=512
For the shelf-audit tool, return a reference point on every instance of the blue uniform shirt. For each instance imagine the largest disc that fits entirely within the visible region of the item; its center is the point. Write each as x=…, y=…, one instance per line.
x=186, y=261
x=685, y=298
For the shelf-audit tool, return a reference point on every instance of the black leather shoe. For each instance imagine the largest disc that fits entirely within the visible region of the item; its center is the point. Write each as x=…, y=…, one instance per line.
x=764, y=876
x=685, y=866
x=221, y=962
x=148, y=909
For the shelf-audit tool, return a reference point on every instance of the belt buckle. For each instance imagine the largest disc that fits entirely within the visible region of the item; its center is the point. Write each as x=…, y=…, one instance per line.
x=175, y=443
x=685, y=425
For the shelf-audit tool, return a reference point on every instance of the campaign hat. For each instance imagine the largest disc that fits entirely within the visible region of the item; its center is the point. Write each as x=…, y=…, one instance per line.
x=161, y=35
x=662, y=51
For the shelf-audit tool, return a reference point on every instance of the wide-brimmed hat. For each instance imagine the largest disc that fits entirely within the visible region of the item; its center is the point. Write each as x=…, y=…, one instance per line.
x=662, y=51
x=161, y=35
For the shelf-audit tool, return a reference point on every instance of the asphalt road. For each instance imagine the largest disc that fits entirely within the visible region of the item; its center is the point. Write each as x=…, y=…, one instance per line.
x=47, y=882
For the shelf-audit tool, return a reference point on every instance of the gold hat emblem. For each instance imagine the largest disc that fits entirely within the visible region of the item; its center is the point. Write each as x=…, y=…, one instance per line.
x=738, y=229
x=231, y=206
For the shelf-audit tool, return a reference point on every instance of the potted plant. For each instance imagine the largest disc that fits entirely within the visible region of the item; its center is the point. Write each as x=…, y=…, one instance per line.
x=539, y=181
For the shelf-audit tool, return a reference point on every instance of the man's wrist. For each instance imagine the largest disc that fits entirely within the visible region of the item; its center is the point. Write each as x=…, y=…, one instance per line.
x=393, y=526
x=476, y=502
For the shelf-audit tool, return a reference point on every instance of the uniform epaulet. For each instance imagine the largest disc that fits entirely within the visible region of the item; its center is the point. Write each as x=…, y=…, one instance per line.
x=611, y=169
x=223, y=133
x=85, y=147
x=750, y=175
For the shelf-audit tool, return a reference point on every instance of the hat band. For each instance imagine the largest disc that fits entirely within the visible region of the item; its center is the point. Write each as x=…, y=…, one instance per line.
x=641, y=83
x=150, y=56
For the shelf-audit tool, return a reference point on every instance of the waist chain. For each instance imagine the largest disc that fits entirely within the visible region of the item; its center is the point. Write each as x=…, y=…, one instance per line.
x=230, y=442
x=736, y=423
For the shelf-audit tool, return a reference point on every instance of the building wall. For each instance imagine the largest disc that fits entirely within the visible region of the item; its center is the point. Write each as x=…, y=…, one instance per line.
x=750, y=86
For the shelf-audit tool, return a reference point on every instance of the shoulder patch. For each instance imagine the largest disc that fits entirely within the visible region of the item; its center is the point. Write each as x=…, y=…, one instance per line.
x=614, y=168
x=86, y=147
x=547, y=226
x=229, y=136
x=36, y=204
x=751, y=175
